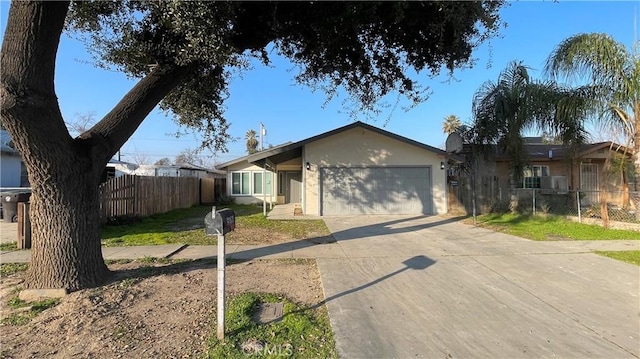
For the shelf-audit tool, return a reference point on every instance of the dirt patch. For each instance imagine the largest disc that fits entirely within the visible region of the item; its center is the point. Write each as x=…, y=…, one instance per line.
x=149, y=310
x=257, y=235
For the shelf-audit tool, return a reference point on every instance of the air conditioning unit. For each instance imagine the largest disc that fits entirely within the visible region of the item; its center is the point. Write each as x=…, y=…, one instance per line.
x=555, y=183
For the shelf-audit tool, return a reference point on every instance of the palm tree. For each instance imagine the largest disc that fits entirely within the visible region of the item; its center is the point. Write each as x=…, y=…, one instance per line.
x=252, y=141
x=451, y=124
x=612, y=73
x=502, y=110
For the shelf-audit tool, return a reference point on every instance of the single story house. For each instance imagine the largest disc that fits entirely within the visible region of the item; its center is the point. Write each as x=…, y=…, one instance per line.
x=355, y=169
x=553, y=168
x=13, y=172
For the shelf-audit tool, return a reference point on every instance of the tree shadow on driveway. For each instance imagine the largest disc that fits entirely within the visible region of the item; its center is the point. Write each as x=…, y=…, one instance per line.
x=414, y=263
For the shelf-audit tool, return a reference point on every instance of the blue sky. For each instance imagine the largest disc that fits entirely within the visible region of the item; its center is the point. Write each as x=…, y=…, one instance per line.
x=291, y=112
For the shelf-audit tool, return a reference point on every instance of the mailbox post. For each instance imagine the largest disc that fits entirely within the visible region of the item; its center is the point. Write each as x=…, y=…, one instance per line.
x=219, y=223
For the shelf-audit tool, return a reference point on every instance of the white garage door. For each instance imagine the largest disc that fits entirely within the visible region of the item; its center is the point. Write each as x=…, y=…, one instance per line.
x=376, y=190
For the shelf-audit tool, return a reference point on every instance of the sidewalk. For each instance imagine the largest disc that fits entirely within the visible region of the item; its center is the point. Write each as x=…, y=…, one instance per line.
x=297, y=249
x=183, y=251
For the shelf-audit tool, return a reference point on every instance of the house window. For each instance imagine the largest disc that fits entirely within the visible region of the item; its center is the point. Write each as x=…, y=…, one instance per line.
x=532, y=174
x=250, y=183
x=240, y=183
x=258, y=183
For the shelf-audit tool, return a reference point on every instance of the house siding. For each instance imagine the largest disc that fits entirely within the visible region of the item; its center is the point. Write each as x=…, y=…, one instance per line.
x=359, y=147
x=11, y=169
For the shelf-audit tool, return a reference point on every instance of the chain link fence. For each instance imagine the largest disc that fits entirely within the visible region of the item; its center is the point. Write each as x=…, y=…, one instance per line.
x=616, y=209
x=596, y=207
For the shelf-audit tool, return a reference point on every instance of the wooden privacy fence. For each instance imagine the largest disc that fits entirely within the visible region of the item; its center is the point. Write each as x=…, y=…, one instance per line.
x=142, y=196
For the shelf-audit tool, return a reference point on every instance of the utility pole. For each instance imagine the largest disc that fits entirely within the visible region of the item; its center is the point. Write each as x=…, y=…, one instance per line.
x=263, y=132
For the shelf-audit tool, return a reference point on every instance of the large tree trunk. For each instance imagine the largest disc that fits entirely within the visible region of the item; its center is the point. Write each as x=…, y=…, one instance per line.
x=64, y=173
x=66, y=250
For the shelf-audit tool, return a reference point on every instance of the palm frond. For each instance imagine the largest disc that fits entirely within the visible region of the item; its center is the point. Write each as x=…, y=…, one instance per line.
x=595, y=56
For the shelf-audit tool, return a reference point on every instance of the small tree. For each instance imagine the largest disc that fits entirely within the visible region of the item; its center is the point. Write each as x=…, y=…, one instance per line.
x=186, y=156
x=163, y=162
x=81, y=123
x=451, y=124
x=252, y=141
x=503, y=109
x=612, y=75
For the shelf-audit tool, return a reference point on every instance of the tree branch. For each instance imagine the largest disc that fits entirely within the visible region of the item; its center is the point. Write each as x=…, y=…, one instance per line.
x=108, y=135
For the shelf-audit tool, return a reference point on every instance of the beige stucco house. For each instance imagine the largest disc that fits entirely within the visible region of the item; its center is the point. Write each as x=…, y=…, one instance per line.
x=355, y=169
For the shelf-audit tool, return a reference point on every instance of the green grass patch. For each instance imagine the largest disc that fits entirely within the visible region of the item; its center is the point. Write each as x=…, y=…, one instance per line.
x=632, y=257
x=8, y=246
x=542, y=228
x=178, y=226
x=11, y=268
x=302, y=332
x=23, y=317
x=186, y=226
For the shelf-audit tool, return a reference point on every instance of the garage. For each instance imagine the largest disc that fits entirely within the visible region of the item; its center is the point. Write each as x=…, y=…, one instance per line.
x=376, y=190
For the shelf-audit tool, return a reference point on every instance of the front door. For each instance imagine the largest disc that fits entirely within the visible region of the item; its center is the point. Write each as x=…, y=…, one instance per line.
x=293, y=192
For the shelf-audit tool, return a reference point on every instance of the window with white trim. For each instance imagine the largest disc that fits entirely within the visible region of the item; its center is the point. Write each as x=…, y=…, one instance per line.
x=241, y=183
x=532, y=174
x=258, y=183
x=245, y=183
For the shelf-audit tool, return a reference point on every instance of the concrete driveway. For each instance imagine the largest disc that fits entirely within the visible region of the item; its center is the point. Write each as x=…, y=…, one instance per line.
x=430, y=287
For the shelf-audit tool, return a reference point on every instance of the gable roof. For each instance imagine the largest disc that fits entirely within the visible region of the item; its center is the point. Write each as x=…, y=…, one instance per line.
x=244, y=158
x=556, y=152
x=289, y=150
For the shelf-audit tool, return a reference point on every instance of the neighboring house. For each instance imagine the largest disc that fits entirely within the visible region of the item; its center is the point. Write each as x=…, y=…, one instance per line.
x=13, y=172
x=117, y=168
x=558, y=170
x=355, y=169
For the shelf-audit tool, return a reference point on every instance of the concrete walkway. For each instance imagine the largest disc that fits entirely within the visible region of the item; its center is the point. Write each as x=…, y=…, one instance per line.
x=430, y=287
x=289, y=211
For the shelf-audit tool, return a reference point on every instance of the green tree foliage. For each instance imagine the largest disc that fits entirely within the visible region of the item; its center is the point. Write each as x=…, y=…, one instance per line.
x=503, y=109
x=363, y=48
x=612, y=74
x=184, y=55
x=451, y=124
x=252, y=141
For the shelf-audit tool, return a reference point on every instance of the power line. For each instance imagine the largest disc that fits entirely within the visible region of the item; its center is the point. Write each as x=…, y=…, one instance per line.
x=161, y=139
